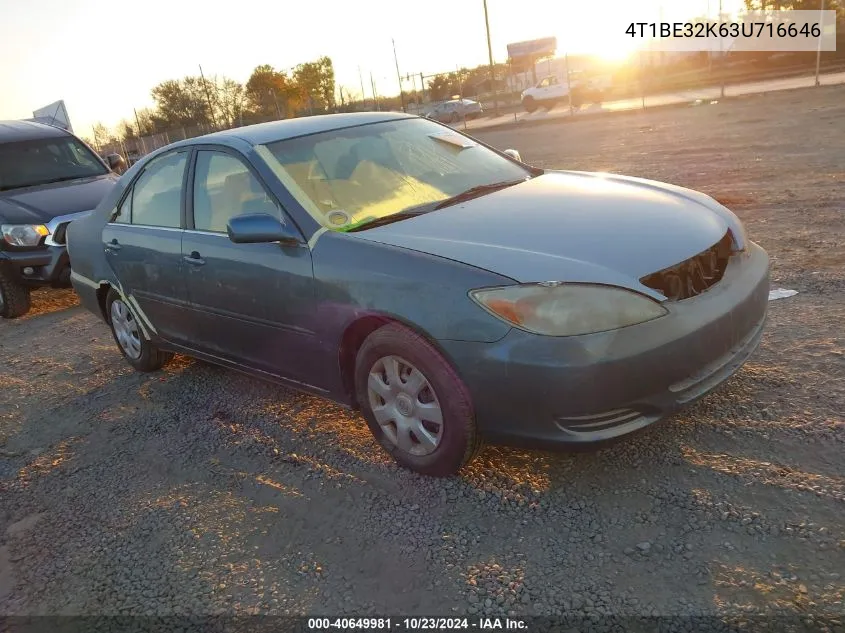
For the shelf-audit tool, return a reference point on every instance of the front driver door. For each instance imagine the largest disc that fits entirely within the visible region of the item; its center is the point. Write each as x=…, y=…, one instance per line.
x=143, y=245
x=254, y=303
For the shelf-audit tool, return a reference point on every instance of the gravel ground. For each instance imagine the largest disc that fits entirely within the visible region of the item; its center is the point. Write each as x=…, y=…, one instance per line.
x=200, y=491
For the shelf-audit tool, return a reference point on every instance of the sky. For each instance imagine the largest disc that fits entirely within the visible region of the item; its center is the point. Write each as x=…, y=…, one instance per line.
x=103, y=57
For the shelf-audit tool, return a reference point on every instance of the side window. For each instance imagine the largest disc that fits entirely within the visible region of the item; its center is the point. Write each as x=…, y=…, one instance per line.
x=157, y=194
x=123, y=214
x=223, y=188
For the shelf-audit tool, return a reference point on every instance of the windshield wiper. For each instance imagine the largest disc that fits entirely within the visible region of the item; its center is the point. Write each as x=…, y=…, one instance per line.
x=477, y=191
x=385, y=219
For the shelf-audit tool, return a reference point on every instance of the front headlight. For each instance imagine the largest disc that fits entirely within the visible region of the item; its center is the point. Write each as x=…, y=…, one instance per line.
x=563, y=309
x=24, y=234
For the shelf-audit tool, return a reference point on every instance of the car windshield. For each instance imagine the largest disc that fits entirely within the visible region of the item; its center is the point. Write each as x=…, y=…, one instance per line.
x=350, y=177
x=45, y=160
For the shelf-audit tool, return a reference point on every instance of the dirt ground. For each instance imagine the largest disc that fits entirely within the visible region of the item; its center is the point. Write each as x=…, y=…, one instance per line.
x=199, y=491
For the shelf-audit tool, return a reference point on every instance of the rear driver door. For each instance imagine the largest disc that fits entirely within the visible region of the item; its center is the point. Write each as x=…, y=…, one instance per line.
x=143, y=245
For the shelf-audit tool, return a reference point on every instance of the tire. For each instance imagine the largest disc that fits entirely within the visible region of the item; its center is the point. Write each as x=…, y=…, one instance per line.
x=447, y=447
x=15, y=299
x=530, y=104
x=140, y=353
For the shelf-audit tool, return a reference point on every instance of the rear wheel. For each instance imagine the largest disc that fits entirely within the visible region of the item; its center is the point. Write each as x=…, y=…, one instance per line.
x=415, y=404
x=137, y=350
x=14, y=297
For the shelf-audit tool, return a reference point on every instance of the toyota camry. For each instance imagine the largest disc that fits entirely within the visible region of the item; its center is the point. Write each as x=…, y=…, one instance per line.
x=451, y=292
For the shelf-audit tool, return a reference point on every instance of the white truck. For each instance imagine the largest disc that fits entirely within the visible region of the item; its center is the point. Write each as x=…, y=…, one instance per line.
x=554, y=89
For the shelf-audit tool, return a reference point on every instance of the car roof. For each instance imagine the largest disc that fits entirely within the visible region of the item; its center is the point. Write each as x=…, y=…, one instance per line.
x=261, y=133
x=11, y=131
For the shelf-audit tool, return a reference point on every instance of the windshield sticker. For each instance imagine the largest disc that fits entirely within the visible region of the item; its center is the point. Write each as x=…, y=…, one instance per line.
x=458, y=140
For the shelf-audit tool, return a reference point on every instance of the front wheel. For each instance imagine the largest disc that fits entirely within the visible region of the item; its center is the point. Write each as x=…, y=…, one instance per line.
x=530, y=104
x=14, y=298
x=416, y=406
x=137, y=350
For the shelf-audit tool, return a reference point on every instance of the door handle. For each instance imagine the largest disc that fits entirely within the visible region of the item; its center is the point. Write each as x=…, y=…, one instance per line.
x=194, y=258
x=113, y=245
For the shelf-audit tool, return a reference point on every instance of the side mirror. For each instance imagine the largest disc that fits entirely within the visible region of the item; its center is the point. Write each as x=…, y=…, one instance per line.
x=513, y=154
x=115, y=162
x=254, y=228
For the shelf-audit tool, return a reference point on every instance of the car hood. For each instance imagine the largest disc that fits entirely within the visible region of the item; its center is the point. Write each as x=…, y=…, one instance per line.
x=570, y=226
x=40, y=204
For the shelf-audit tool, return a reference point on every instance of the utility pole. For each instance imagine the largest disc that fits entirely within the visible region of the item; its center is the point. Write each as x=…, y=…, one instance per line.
x=276, y=102
x=140, y=134
x=819, y=48
x=413, y=80
x=721, y=55
x=375, y=96
x=398, y=76
x=363, y=94
x=492, y=68
x=208, y=98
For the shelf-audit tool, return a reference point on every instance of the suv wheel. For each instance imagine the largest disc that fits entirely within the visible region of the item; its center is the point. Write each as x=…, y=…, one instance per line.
x=137, y=350
x=14, y=297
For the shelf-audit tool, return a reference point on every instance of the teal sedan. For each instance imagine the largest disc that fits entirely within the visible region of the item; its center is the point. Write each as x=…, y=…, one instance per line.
x=451, y=292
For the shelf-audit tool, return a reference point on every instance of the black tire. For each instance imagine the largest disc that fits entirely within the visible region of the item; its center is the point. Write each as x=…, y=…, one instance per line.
x=530, y=104
x=14, y=297
x=460, y=441
x=151, y=358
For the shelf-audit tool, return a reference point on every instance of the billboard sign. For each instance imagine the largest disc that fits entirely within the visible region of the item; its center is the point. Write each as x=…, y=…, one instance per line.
x=544, y=47
x=54, y=114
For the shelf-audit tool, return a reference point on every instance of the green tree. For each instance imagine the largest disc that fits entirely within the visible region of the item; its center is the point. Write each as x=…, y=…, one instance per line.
x=316, y=83
x=182, y=102
x=126, y=131
x=228, y=100
x=270, y=94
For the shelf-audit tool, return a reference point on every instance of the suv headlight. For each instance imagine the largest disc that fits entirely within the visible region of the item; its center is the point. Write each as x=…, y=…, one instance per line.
x=24, y=234
x=563, y=309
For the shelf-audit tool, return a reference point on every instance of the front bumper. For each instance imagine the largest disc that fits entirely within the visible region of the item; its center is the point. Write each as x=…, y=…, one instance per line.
x=50, y=266
x=542, y=391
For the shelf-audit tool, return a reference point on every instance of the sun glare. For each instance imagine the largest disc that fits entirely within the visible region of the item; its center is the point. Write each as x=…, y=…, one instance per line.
x=614, y=51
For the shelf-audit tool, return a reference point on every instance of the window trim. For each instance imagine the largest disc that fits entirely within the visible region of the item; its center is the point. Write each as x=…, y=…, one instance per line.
x=129, y=192
x=191, y=185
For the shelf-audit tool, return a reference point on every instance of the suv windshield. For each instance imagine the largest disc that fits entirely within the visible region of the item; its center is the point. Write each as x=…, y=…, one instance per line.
x=349, y=177
x=45, y=160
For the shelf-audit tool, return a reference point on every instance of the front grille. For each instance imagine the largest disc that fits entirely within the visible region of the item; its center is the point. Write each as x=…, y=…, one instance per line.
x=695, y=275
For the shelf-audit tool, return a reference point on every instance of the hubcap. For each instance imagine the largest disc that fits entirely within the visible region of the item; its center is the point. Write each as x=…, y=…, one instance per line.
x=405, y=405
x=125, y=329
